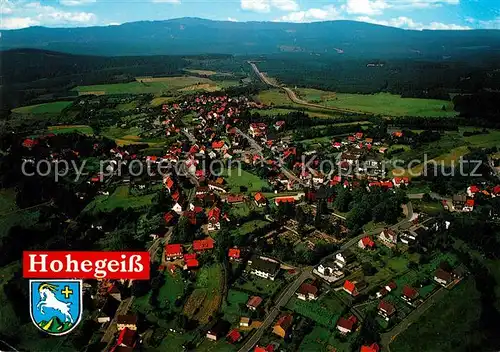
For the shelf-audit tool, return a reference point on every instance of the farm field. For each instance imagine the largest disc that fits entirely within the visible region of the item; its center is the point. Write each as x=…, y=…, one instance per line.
x=120, y=198
x=53, y=108
x=201, y=72
x=206, y=297
x=277, y=97
x=381, y=103
x=71, y=129
x=161, y=100
x=146, y=85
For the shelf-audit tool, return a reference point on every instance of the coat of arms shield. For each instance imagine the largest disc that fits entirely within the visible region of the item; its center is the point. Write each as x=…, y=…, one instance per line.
x=56, y=305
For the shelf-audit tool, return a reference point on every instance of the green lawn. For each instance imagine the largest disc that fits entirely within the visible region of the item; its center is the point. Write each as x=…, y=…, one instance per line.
x=120, y=198
x=54, y=107
x=382, y=103
x=236, y=178
x=325, y=311
x=231, y=306
x=260, y=286
x=450, y=325
x=316, y=340
x=250, y=226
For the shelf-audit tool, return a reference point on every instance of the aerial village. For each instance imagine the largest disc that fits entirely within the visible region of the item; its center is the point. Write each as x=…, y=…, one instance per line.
x=257, y=251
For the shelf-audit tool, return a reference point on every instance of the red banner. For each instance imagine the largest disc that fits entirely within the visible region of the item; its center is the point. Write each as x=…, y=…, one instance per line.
x=85, y=265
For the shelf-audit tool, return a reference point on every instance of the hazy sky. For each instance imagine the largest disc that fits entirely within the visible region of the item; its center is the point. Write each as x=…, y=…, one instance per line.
x=411, y=14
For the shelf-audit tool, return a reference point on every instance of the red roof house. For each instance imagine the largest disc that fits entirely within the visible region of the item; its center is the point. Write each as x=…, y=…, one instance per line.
x=283, y=200
x=409, y=293
x=260, y=200
x=169, y=183
x=201, y=245
x=346, y=325
x=372, y=348
x=234, y=336
x=366, y=242
x=30, y=143
x=191, y=263
x=173, y=251
x=350, y=288
x=234, y=253
x=169, y=218
x=217, y=145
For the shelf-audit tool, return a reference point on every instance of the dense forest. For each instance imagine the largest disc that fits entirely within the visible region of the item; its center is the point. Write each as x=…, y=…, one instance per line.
x=409, y=77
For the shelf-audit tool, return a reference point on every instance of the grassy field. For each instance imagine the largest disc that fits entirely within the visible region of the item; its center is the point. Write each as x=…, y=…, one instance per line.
x=154, y=85
x=449, y=324
x=70, y=129
x=382, y=103
x=250, y=226
x=325, y=311
x=260, y=286
x=161, y=100
x=54, y=108
x=231, y=306
x=120, y=198
x=447, y=151
x=206, y=297
x=236, y=178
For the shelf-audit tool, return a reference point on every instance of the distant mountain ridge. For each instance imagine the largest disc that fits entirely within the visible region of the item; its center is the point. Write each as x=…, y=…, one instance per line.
x=187, y=36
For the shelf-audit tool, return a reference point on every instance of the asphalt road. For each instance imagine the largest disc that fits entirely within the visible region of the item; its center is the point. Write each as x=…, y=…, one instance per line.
x=293, y=97
x=275, y=311
x=305, y=274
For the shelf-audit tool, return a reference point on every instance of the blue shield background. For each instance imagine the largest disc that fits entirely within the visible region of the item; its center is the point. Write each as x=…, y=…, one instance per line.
x=75, y=298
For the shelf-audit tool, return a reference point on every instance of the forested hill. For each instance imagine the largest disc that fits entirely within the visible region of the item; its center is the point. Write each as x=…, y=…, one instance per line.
x=194, y=36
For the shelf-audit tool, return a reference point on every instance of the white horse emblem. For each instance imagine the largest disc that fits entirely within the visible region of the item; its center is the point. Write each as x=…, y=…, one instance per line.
x=49, y=300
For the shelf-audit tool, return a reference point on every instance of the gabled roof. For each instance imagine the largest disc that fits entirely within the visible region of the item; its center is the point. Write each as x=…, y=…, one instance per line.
x=306, y=289
x=259, y=197
x=372, y=348
x=127, y=337
x=254, y=301
x=217, y=144
x=173, y=249
x=234, y=253
x=233, y=336
x=192, y=263
x=200, y=245
x=387, y=307
x=214, y=215
x=410, y=292
x=349, y=286
x=285, y=322
x=367, y=242
x=347, y=323
x=169, y=183
x=168, y=217
x=188, y=256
